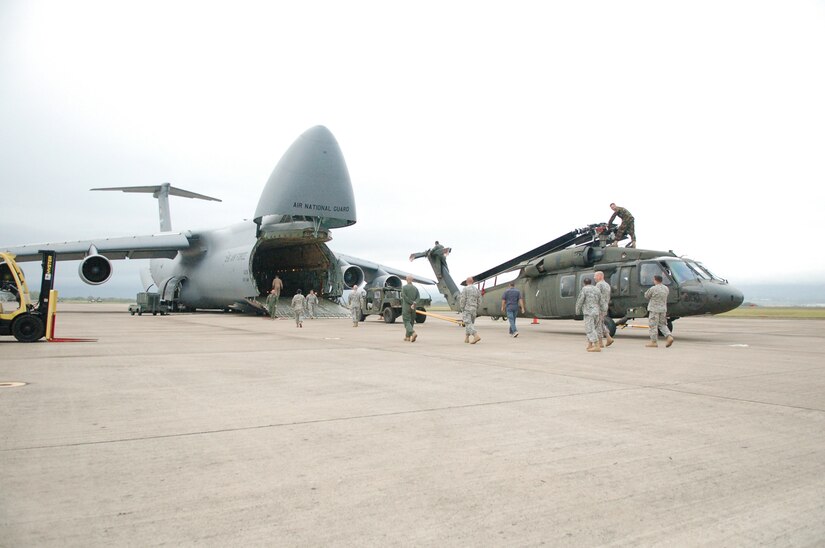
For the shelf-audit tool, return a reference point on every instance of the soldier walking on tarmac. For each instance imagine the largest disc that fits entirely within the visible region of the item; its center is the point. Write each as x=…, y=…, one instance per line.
x=355, y=304
x=409, y=302
x=604, y=304
x=312, y=302
x=298, y=308
x=588, y=304
x=626, y=226
x=657, y=312
x=468, y=304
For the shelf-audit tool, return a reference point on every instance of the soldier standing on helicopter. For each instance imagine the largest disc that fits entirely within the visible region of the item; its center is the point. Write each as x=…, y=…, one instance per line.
x=626, y=227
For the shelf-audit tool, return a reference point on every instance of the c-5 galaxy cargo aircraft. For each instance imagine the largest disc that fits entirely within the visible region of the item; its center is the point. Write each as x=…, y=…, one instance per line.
x=550, y=278
x=308, y=194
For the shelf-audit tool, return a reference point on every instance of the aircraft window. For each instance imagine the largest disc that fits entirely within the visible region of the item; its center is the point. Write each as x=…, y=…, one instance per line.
x=709, y=273
x=624, y=282
x=614, y=282
x=697, y=270
x=648, y=270
x=568, y=285
x=680, y=271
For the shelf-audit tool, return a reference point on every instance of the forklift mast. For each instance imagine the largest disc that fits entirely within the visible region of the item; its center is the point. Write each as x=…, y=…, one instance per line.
x=47, y=280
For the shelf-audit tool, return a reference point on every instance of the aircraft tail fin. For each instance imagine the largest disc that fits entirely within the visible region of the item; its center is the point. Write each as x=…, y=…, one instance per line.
x=146, y=280
x=162, y=193
x=446, y=285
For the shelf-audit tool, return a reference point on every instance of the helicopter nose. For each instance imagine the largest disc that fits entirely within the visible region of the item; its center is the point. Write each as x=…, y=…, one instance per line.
x=724, y=298
x=736, y=297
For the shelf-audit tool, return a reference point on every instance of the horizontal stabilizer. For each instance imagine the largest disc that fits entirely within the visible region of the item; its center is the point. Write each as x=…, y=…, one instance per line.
x=172, y=191
x=162, y=193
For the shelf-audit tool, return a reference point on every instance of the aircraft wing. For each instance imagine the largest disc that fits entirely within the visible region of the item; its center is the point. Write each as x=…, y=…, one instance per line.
x=378, y=269
x=156, y=246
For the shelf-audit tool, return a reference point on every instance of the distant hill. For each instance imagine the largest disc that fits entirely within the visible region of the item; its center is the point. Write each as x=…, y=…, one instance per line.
x=783, y=294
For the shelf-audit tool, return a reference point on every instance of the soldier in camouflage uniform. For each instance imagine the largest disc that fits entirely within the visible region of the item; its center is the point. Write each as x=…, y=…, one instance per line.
x=588, y=304
x=604, y=304
x=468, y=303
x=356, y=298
x=298, y=308
x=626, y=227
x=409, y=302
x=657, y=312
x=312, y=302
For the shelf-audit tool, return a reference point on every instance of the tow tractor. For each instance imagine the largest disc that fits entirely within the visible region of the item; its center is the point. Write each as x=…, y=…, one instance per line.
x=19, y=316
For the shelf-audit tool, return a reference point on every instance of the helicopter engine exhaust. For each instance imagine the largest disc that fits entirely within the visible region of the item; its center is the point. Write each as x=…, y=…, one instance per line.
x=582, y=256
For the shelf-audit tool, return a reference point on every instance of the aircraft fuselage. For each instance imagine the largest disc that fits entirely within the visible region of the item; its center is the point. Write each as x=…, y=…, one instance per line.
x=226, y=266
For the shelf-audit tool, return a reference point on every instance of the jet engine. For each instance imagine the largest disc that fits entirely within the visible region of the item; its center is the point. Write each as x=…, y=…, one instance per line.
x=353, y=275
x=387, y=280
x=95, y=269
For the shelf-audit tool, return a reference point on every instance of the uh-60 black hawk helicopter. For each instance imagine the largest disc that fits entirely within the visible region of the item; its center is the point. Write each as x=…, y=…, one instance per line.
x=550, y=277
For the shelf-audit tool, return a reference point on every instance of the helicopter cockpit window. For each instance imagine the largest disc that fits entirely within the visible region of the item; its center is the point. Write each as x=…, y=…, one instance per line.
x=680, y=271
x=709, y=273
x=701, y=274
x=567, y=285
x=648, y=270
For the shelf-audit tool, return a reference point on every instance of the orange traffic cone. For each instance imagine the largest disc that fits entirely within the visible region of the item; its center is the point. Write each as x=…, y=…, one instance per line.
x=535, y=321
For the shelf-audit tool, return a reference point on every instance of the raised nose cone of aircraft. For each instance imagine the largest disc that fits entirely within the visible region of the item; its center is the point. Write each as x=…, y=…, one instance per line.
x=310, y=180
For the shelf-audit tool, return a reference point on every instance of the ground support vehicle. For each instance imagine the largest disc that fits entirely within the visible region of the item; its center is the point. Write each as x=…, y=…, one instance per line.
x=149, y=303
x=19, y=316
x=386, y=301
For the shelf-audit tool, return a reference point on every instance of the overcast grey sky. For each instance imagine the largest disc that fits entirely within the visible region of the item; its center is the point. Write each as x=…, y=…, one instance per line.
x=492, y=127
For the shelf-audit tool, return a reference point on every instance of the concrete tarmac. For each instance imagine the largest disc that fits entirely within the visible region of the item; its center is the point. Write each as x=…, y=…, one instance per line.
x=222, y=429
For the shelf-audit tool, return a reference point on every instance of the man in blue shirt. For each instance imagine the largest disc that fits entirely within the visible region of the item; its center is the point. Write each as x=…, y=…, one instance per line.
x=511, y=303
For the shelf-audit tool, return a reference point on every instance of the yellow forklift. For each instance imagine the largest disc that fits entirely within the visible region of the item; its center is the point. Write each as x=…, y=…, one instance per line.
x=19, y=316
